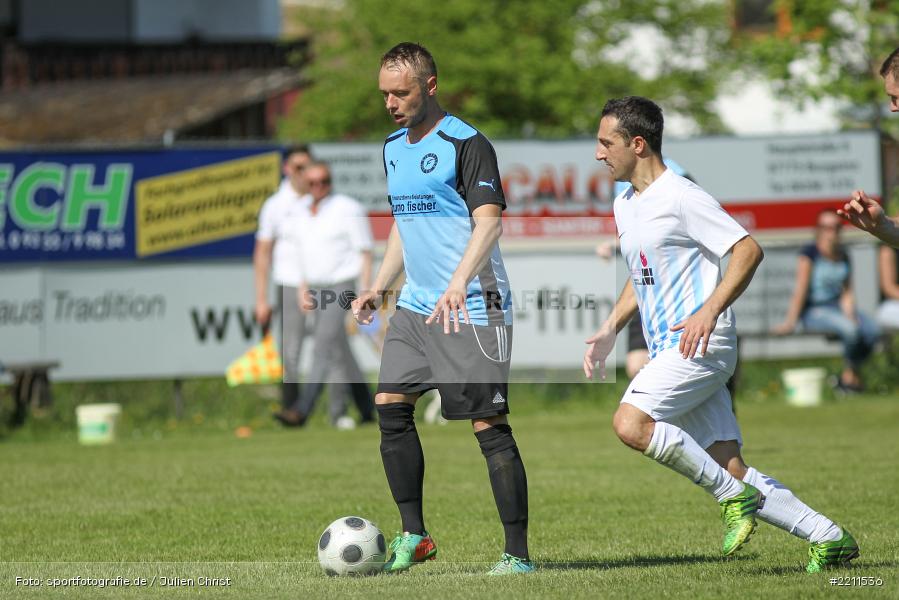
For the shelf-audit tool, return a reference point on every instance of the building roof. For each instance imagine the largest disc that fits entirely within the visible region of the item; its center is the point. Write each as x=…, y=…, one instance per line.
x=135, y=109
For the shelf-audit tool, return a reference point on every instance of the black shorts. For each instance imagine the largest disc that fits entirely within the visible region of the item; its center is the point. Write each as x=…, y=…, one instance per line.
x=635, y=339
x=469, y=368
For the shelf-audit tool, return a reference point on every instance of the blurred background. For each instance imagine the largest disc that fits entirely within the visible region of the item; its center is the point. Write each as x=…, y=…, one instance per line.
x=139, y=138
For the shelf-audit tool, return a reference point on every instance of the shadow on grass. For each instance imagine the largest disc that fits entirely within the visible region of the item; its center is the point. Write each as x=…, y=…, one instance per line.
x=800, y=568
x=638, y=561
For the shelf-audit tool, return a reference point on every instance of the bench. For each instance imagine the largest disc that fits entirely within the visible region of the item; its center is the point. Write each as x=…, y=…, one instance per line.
x=825, y=337
x=30, y=387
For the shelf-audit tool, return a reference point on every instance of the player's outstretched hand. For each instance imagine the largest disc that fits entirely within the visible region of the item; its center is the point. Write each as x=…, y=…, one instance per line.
x=364, y=306
x=698, y=328
x=864, y=212
x=599, y=346
x=450, y=307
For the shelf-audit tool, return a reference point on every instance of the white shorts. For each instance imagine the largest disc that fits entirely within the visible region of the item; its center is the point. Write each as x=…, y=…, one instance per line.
x=688, y=393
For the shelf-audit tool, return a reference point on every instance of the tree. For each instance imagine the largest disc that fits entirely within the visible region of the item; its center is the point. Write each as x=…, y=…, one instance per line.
x=516, y=69
x=830, y=49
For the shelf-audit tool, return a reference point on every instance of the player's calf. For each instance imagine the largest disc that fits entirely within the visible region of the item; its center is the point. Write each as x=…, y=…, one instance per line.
x=510, y=487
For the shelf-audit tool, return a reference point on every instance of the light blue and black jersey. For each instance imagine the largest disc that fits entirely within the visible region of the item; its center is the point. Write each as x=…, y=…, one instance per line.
x=433, y=187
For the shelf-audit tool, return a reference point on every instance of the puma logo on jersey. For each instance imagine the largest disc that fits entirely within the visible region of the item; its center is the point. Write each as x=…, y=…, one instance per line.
x=393, y=164
x=489, y=184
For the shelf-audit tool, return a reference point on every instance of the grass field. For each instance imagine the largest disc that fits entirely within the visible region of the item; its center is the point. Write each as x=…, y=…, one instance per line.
x=192, y=502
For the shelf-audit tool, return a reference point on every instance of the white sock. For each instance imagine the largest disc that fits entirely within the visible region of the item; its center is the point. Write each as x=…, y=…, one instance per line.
x=674, y=448
x=784, y=510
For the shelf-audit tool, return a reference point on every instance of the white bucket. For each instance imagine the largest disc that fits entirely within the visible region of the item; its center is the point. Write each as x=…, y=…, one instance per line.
x=97, y=422
x=804, y=386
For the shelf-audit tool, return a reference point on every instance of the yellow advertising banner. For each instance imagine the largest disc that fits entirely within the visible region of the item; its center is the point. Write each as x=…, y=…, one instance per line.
x=203, y=205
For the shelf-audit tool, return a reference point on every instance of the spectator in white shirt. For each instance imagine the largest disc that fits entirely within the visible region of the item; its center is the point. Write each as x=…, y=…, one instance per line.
x=275, y=251
x=333, y=241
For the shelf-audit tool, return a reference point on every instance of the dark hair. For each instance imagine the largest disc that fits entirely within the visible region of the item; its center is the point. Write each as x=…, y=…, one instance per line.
x=411, y=55
x=637, y=116
x=296, y=149
x=891, y=65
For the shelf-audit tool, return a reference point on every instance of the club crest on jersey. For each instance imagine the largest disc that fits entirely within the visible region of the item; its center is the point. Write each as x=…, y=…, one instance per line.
x=643, y=275
x=428, y=162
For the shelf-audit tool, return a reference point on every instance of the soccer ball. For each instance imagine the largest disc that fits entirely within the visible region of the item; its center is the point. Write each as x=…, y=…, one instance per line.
x=352, y=546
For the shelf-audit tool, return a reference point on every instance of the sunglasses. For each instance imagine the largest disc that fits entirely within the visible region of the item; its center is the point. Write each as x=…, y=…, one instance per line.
x=312, y=182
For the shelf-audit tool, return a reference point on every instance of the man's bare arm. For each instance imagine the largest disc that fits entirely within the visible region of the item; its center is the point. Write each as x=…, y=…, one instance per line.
x=600, y=344
x=262, y=262
x=391, y=267
x=746, y=256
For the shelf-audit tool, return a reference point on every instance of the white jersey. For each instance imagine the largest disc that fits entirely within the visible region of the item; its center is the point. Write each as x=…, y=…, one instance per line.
x=275, y=218
x=673, y=237
x=330, y=242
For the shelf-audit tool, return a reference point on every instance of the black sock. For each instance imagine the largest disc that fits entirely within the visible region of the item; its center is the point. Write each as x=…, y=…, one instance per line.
x=510, y=485
x=404, y=461
x=289, y=394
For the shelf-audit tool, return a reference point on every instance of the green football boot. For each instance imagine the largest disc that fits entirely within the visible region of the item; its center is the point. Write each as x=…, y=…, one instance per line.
x=512, y=565
x=738, y=514
x=410, y=549
x=832, y=554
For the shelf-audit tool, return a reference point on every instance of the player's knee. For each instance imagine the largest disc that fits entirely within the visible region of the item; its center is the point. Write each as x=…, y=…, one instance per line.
x=631, y=432
x=496, y=439
x=482, y=424
x=396, y=418
x=384, y=398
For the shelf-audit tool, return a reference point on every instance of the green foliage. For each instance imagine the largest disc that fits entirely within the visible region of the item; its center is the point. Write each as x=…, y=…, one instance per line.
x=834, y=49
x=515, y=69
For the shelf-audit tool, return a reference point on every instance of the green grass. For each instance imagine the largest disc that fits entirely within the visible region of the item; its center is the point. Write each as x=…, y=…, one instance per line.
x=191, y=499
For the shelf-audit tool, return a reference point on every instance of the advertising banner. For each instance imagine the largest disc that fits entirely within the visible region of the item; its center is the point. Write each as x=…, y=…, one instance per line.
x=134, y=204
x=767, y=183
x=194, y=319
x=172, y=203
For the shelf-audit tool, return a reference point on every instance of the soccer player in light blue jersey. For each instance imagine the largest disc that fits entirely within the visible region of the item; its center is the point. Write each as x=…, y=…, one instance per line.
x=453, y=326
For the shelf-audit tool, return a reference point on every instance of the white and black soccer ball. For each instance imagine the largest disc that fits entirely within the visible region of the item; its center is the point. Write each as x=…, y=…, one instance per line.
x=352, y=546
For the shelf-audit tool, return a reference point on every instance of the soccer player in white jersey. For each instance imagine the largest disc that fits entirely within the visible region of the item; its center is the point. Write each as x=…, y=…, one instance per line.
x=677, y=410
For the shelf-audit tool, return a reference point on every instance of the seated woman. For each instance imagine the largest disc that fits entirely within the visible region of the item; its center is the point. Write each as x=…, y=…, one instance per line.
x=823, y=300
x=888, y=313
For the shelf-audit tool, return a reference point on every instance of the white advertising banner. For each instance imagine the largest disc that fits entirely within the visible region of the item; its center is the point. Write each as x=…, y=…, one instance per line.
x=768, y=183
x=127, y=322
